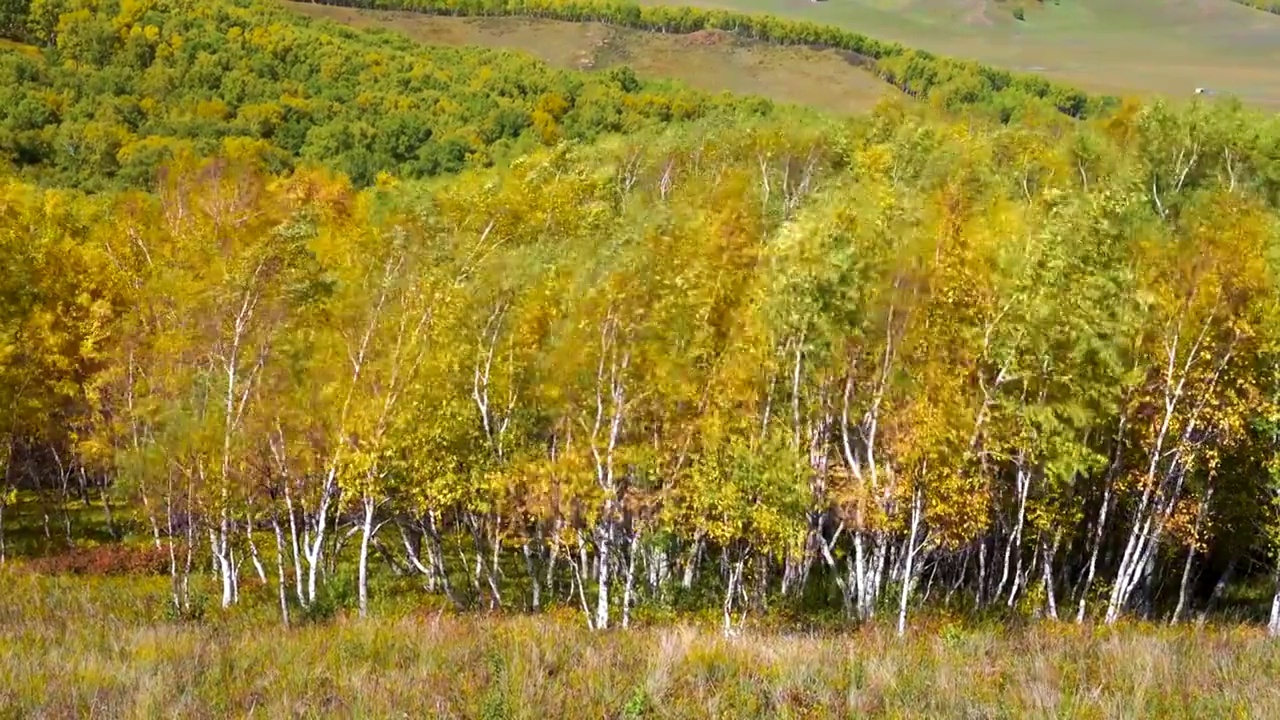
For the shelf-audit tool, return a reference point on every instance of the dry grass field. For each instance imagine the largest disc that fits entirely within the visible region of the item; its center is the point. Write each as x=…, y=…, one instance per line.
x=102, y=647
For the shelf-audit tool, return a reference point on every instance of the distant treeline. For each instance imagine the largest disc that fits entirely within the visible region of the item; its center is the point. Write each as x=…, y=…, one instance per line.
x=952, y=83
x=1271, y=6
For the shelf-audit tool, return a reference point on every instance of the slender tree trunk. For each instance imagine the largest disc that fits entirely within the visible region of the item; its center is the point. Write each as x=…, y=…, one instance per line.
x=43, y=497
x=222, y=556
x=190, y=559
x=862, y=588
x=917, y=510
x=979, y=594
x=437, y=552
x=83, y=486
x=1184, y=587
x=1144, y=534
x=826, y=548
x=280, y=575
x=488, y=569
x=735, y=580
x=495, y=562
x=654, y=567
x=236, y=562
x=1219, y=588
x=579, y=572
x=64, y=480
x=532, y=571
x=1098, y=535
x=106, y=502
x=961, y=576
x=1015, y=541
x=313, y=553
x=253, y=553
x=1051, y=600
x=553, y=557
x=366, y=534
x=1132, y=565
x=602, y=584
x=691, y=566
x=175, y=587
x=881, y=556
x=928, y=584
x=789, y=572
x=629, y=583
x=1273, y=627
x=295, y=547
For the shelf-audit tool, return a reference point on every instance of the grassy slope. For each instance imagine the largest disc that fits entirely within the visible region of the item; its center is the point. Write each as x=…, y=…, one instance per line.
x=100, y=647
x=712, y=62
x=1113, y=46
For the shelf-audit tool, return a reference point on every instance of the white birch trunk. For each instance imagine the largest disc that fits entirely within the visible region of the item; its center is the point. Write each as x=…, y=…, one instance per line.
x=1051, y=600
x=253, y=553
x=629, y=582
x=1098, y=534
x=280, y=574
x=366, y=534
x=1273, y=627
x=602, y=578
x=1184, y=586
x=1015, y=540
x=908, y=563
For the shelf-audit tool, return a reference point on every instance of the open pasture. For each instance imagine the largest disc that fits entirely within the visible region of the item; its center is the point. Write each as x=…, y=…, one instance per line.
x=1163, y=47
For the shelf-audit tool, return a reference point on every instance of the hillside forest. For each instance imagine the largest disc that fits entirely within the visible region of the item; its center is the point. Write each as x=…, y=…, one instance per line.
x=301, y=309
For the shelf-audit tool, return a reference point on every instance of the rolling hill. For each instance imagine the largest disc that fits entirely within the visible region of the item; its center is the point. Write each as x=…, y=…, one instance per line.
x=1166, y=47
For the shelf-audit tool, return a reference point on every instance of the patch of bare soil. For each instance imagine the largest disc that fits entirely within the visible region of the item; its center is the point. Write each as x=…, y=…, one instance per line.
x=971, y=13
x=708, y=38
x=977, y=14
x=603, y=47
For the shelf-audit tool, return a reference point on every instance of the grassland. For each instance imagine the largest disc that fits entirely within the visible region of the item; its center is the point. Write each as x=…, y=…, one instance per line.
x=102, y=647
x=714, y=62
x=1166, y=47
x=1142, y=47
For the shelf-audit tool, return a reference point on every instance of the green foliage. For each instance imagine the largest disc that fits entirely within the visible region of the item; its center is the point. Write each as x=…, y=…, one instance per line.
x=126, y=89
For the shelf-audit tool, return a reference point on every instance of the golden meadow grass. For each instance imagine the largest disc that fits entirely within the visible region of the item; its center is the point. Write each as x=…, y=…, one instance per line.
x=103, y=648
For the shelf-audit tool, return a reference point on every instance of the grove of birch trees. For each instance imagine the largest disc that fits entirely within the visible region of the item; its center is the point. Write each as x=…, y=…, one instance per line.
x=856, y=367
